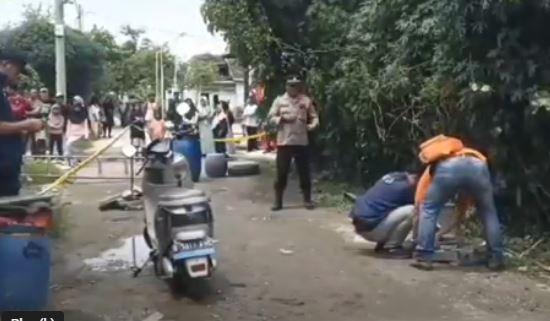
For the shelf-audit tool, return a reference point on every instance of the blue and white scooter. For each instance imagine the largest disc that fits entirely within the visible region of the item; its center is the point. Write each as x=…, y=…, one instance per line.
x=178, y=218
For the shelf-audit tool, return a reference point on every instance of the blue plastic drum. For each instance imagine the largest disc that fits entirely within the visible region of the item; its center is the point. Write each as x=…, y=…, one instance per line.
x=24, y=271
x=191, y=149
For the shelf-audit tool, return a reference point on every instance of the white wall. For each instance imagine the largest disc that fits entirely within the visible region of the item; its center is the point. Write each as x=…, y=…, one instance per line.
x=240, y=94
x=232, y=93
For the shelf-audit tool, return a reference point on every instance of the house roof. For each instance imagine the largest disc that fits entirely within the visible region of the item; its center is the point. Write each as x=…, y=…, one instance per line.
x=208, y=57
x=236, y=71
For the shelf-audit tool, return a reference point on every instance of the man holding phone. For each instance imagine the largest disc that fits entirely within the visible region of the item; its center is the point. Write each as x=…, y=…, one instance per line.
x=12, y=64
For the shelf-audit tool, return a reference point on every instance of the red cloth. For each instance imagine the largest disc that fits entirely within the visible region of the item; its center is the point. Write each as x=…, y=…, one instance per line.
x=20, y=106
x=42, y=219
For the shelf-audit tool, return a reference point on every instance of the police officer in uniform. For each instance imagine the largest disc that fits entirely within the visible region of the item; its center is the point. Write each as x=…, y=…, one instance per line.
x=294, y=115
x=12, y=64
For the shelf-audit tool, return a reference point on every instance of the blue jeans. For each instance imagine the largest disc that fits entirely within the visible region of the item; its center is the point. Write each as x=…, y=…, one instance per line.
x=470, y=176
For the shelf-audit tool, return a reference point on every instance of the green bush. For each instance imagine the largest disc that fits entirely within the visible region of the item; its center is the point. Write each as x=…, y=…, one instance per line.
x=390, y=73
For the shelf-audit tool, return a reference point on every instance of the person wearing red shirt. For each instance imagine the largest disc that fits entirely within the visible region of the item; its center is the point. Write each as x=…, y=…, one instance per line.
x=20, y=106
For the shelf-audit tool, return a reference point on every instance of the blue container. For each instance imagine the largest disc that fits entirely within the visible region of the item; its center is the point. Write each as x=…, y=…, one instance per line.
x=190, y=147
x=24, y=271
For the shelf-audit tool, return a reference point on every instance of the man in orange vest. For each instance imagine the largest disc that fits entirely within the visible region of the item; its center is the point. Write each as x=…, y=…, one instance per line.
x=453, y=168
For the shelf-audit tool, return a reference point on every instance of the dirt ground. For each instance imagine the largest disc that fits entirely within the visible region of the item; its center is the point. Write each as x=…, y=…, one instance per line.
x=292, y=265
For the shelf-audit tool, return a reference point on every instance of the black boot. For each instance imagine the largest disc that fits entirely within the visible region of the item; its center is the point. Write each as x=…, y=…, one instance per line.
x=308, y=204
x=278, y=204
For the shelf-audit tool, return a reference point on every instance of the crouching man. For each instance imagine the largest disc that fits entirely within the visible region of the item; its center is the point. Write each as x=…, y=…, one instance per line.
x=453, y=168
x=384, y=214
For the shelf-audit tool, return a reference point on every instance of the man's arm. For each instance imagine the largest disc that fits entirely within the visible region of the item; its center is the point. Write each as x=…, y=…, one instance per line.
x=313, y=117
x=12, y=128
x=274, y=115
x=20, y=127
x=250, y=110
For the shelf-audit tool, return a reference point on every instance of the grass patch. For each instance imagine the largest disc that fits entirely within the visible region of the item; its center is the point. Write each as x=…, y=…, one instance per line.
x=331, y=194
x=83, y=144
x=41, y=172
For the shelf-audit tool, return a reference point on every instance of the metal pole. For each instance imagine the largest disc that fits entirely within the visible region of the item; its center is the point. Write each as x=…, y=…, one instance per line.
x=176, y=62
x=157, y=77
x=80, y=16
x=60, y=72
x=162, y=82
x=176, y=69
x=132, y=175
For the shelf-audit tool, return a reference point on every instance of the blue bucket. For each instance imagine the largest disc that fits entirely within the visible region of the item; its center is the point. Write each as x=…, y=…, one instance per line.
x=190, y=148
x=24, y=270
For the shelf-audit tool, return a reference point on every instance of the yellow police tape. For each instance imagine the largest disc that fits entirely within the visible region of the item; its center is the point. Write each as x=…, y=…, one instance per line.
x=238, y=140
x=67, y=178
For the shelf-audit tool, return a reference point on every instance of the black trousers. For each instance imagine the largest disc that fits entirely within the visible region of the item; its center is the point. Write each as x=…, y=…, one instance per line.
x=252, y=143
x=56, y=141
x=300, y=155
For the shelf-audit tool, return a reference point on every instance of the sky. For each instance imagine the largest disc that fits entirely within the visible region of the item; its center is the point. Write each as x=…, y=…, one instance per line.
x=163, y=21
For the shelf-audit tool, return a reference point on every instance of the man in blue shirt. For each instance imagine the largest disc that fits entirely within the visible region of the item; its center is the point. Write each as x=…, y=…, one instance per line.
x=384, y=214
x=12, y=131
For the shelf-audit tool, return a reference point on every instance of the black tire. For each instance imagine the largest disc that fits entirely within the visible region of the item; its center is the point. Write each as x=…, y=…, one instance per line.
x=243, y=168
x=215, y=165
x=194, y=289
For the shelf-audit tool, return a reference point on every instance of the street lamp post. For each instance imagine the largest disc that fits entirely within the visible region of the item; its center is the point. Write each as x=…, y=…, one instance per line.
x=175, y=86
x=60, y=70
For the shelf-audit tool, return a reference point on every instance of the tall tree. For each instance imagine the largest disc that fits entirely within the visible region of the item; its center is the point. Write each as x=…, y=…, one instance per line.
x=34, y=36
x=134, y=35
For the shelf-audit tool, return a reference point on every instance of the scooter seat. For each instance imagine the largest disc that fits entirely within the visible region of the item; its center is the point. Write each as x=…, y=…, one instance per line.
x=185, y=202
x=180, y=194
x=159, y=147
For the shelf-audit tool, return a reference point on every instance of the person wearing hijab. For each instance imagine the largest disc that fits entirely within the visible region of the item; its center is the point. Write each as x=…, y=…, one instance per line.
x=190, y=119
x=55, y=124
x=230, y=146
x=137, y=131
x=109, y=110
x=78, y=126
x=220, y=129
x=205, y=126
x=96, y=117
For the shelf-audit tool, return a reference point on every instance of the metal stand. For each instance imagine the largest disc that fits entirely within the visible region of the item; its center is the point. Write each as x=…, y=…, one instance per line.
x=132, y=179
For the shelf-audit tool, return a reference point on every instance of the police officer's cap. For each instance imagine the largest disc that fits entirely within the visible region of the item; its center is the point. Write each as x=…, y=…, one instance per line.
x=293, y=80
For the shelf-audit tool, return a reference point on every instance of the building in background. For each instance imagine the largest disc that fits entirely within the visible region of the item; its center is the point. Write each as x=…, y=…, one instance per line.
x=229, y=84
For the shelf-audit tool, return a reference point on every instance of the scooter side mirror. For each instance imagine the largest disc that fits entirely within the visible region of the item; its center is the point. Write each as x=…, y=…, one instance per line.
x=129, y=151
x=180, y=166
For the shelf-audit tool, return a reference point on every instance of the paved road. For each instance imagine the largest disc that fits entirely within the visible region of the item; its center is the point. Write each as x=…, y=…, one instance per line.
x=323, y=273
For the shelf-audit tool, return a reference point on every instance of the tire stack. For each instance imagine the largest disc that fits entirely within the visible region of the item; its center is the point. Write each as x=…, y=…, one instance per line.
x=215, y=165
x=243, y=168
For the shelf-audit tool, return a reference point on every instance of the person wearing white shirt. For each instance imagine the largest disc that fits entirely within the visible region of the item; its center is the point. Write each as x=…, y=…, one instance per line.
x=250, y=121
x=206, y=115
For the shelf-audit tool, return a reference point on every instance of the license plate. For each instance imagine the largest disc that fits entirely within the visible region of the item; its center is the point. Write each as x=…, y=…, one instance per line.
x=198, y=267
